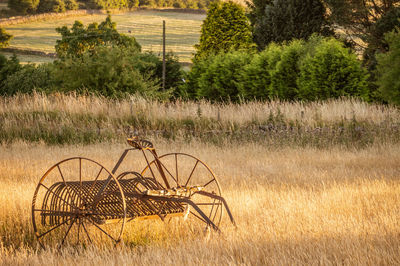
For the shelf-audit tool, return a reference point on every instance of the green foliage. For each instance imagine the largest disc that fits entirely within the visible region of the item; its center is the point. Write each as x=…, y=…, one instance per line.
x=29, y=78
x=46, y=6
x=318, y=69
x=332, y=71
x=284, y=76
x=221, y=76
x=150, y=63
x=376, y=41
x=367, y=21
x=225, y=28
x=71, y=4
x=284, y=20
x=5, y=38
x=7, y=68
x=23, y=6
x=79, y=39
x=256, y=76
x=388, y=69
x=112, y=72
x=107, y=4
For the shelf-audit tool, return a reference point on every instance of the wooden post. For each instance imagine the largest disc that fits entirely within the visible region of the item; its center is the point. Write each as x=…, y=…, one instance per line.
x=163, y=55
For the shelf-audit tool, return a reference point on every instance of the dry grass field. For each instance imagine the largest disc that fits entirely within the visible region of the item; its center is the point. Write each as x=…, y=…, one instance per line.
x=182, y=31
x=293, y=206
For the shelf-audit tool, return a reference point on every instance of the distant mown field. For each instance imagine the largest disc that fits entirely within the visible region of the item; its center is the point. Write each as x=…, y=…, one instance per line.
x=182, y=31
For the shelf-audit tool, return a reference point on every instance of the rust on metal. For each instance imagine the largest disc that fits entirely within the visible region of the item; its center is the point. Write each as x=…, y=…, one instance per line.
x=71, y=208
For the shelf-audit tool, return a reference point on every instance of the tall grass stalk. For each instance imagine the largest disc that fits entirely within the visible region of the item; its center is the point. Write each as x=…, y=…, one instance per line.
x=72, y=119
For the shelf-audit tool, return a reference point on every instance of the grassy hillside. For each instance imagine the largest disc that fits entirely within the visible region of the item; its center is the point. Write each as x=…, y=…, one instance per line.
x=62, y=119
x=182, y=31
x=293, y=206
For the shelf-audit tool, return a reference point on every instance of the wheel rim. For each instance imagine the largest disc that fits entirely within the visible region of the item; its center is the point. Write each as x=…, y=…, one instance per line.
x=183, y=170
x=73, y=200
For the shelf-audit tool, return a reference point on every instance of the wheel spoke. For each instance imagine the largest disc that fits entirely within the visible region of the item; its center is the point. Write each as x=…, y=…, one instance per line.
x=209, y=182
x=87, y=233
x=66, y=234
x=55, y=227
x=95, y=180
x=101, y=229
x=68, y=222
x=162, y=165
x=190, y=176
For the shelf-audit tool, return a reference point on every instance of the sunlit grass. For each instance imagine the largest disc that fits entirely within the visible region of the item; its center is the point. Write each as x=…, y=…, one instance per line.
x=292, y=206
x=182, y=31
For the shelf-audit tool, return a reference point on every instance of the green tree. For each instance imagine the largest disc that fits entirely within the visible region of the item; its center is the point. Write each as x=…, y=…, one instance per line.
x=226, y=27
x=29, y=78
x=151, y=63
x=7, y=68
x=221, y=77
x=79, y=39
x=256, y=77
x=284, y=76
x=46, y=6
x=331, y=71
x=284, y=20
x=5, y=38
x=388, y=69
x=23, y=6
x=358, y=18
x=108, y=71
x=107, y=4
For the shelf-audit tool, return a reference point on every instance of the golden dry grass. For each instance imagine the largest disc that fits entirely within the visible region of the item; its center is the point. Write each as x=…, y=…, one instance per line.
x=293, y=206
x=310, y=114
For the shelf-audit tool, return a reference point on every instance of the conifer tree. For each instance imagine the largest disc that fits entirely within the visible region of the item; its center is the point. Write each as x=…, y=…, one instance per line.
x=225, y=28
x=284, y=20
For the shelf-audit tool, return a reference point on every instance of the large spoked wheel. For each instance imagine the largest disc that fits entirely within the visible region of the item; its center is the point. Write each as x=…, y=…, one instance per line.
x=75, y=202
x=184, y=170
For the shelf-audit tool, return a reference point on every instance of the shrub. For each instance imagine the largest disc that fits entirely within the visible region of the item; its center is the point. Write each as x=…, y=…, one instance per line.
x=284, y=76
x=7, y=68
x=220, y=77
x=388, y=69
x=5, y=38
x=23, y=6
x=71, y=4
x=256, y=77
x=112, y=72
x=330, y=72
x=225, y=28
x=151, y=65
x=29, y=78
x=79, y=39
x=107, y=4
x=284, y=20
x=57, y=6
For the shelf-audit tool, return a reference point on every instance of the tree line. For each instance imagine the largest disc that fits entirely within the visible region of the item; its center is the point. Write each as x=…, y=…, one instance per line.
x=24, y=7
x=273, y=49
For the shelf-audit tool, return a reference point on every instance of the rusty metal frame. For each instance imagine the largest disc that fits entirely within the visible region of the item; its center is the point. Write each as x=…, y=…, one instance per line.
x=129, y=196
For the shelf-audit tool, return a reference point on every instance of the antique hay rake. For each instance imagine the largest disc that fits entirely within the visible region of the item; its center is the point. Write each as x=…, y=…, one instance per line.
x=79, y=201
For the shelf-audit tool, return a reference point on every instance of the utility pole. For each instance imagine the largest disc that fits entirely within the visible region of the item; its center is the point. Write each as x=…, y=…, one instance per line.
x=163, y=58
